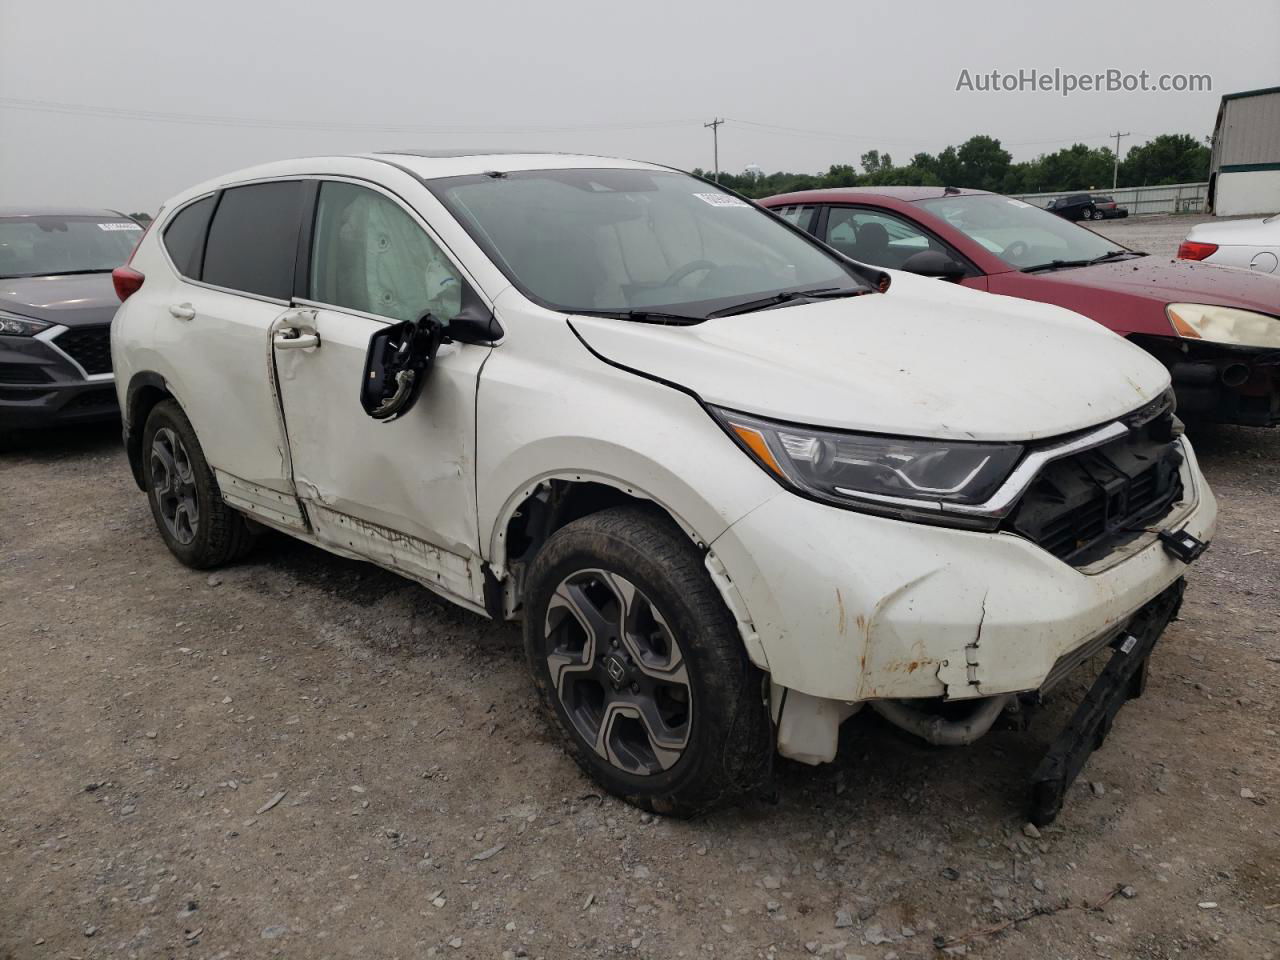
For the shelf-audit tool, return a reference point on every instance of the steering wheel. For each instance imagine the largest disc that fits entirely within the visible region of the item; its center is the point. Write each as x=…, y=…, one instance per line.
x=1015, y=251
x=681, y=272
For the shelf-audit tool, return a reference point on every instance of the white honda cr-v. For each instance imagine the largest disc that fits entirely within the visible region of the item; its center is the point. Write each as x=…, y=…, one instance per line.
x=735, y=485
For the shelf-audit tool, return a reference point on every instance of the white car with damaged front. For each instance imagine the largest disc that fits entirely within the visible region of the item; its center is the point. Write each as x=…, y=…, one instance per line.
x=735, y=486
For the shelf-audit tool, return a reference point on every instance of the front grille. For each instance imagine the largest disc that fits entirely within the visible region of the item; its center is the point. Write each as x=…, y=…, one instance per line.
x=88, y=346
x=22, y=373
x=1083, y=507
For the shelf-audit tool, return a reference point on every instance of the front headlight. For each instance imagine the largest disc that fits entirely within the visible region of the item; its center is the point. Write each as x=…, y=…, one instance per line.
x=887, y=475
x=12, y=325
x=1202, y=321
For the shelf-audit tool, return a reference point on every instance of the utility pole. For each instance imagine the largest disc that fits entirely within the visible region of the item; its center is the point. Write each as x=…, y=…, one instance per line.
x=1115, y=171
x=715, y=143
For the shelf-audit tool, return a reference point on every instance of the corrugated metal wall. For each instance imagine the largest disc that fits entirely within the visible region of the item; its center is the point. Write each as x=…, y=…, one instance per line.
x=1250, y=131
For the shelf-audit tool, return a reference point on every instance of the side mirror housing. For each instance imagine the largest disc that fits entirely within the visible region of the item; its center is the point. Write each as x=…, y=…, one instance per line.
x=934, y=263
x=399, y=356
x=396, y=364
x=474, y=321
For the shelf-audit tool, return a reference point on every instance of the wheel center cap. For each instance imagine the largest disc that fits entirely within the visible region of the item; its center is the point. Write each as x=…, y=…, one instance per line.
x=616, y=667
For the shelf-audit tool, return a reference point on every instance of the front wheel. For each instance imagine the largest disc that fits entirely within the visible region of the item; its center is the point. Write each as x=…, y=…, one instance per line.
x=639, y=662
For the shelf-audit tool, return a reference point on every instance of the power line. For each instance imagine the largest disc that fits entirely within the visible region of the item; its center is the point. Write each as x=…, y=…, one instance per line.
x=333, y=126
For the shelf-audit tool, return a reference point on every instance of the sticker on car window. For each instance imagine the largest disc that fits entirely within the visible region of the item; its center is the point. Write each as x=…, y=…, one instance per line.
x=1018, y=203
x=721, y=200
x=118, y=226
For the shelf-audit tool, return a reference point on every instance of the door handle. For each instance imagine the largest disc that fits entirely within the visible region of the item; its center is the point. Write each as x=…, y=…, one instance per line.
x=182, y=311
x=293, y=338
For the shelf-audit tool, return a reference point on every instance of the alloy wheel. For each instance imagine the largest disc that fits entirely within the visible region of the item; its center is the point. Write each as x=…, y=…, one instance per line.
x=173, y=482
x=618, y=671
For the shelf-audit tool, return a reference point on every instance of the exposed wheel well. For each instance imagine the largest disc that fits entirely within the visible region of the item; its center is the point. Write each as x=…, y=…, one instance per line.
x=144, y=394
x=551, y=505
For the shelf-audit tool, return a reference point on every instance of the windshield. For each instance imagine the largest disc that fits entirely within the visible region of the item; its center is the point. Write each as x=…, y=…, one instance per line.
x=1019, y=234
x=636, y=242
x=43, y=246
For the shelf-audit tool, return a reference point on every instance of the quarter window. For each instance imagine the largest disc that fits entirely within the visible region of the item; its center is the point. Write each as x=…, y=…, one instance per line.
x=801, y=216
x=253, y=239
x=368, y=254
x=184, y=236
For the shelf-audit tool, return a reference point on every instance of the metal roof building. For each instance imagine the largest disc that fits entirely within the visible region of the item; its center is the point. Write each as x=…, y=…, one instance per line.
x=1245, y=168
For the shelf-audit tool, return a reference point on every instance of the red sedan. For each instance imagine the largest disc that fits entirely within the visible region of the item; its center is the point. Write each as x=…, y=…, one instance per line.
x=1216, y=329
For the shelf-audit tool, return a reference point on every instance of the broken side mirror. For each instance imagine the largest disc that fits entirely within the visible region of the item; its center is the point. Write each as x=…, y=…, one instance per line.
x=474, y=322
x=396, y=366
x=934, y=263
x=400, y=356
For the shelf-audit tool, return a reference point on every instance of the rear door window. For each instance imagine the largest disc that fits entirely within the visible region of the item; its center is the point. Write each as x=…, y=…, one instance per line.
x=184, y=237
x=253, y=239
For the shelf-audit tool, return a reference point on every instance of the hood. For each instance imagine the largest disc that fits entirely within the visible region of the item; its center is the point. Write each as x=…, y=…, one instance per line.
x=73, y=301
x=1255, y=232
x=1177, y=281
x=926, y=359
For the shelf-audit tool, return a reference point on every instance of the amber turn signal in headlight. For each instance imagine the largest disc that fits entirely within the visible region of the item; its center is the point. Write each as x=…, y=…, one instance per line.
x=1201, y=321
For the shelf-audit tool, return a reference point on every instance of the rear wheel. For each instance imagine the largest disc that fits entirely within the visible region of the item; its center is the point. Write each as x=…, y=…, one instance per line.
x=196, y=525
x=640, y=664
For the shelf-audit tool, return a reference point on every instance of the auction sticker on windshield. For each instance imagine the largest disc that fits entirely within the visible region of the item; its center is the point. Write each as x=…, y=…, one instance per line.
x=118, y=226
x=721, y=200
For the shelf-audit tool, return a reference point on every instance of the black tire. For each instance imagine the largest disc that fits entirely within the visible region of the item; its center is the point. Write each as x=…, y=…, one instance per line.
x=218, y=534
x=728, y=746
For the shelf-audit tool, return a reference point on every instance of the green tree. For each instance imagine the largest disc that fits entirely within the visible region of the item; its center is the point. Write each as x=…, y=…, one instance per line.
x=948, y=168
x=908, y=176
x=983, y=163
x=1169, y=158
x=1077, y=167
x=873, y=162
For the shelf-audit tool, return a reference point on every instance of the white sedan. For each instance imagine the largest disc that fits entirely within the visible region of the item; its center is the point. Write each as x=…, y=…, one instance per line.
x=1251, y=244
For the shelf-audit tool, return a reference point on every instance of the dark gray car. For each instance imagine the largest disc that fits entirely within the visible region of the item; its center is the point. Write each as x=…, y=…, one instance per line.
x=56, y=305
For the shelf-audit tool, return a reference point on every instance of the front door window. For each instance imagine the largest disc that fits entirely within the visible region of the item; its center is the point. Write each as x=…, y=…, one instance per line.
x=369, y=255
x=876, y=238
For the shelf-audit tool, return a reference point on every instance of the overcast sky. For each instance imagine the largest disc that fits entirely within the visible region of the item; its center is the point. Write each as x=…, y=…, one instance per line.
x=268, y=79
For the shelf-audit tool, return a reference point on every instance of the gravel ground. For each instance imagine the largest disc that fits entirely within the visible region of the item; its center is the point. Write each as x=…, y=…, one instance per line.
x=305, y=756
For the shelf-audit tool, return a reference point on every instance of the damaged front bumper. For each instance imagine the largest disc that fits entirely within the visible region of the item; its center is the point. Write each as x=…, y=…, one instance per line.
x=842, y=608
x=1123, y=679
x=1221, y=383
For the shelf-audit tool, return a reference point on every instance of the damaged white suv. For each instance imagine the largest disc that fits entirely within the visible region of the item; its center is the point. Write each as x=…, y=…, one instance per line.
x=735, y=485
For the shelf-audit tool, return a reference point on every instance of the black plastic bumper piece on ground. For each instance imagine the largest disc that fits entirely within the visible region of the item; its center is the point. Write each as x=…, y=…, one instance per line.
x=1123, y=678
